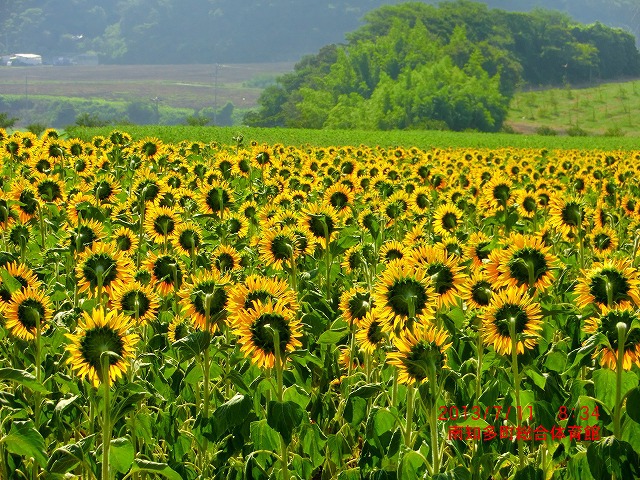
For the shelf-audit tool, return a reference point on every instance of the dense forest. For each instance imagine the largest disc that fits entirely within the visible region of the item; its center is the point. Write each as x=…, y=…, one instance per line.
x=455, y=66
x=210, y=31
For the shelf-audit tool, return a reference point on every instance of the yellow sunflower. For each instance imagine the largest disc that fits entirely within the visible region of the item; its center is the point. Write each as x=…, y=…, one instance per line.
x=370, y=335
x=99, y=334
x=105, y=189
x=102, y=266
x=567, y=215
x=206, y=293
x=444, y=270
x=225, y=258
x=506, y=306
x=166, y=272
x=136, y=301
x=27, y=307
x=278, y=247
x=257, y=288
x=420, y=354
x=178, y=328
x=355, y=303
x=160, y=223
x=321, y=221
x=216, y=198
x=392, y=250
x=187, y=237
x=125, y=240
x=84, y=234
x=609, y=283
x=607, y=324
x=256, y=327
x=447, y=219
x=27, y=200
x=403, y=293
x=340, y=197
x=603, y=240
x=477, y=290
x=478, y=248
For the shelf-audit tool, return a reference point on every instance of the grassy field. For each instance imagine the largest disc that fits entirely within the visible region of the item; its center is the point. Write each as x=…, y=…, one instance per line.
x=324, y=138
x=608, y=109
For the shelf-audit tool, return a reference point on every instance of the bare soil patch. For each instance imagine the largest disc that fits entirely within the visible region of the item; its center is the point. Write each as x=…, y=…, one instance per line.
x=188, y=86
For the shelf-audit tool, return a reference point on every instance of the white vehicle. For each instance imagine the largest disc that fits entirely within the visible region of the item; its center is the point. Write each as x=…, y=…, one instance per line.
x=24, y=59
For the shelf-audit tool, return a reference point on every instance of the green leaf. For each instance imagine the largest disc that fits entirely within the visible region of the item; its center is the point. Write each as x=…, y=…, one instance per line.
x=355, y=410
x=23, y=378
x=634, y=400
x=230, y=414
x=412, y=465
x=163, y=469
x=609, y=457
x=9, y=281
x=458, y=473
x=331, y=337
x=263, y=436
x=64, y=459
x=23, y=439
x=284, y=417
x=529, y=473
x=193, y=344
x=127, y=403
x=605, y=385
x=556, y=361
x=366, y=391
x=313, y=442
x=631, y=432
x=578, y=466
x=121, y=454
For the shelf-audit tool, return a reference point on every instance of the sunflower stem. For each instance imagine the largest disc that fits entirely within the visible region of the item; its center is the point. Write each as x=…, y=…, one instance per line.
x=38, y=366
x=516, y=382
x=279, y=367
x=408, y=426
x=205, y=383
x=480, y=352
x=141, y=231
x=617, y=414
x=432, y=416
x=106, y=417
x=42, y=227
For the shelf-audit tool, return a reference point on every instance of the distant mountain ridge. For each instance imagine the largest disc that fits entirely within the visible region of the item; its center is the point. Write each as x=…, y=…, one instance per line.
x=229, y=31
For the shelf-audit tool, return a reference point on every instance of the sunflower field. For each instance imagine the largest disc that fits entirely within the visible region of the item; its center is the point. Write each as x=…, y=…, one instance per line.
x=196, y=310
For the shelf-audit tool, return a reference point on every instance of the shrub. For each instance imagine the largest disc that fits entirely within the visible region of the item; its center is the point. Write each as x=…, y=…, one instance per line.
x=576, y=131
x=546, y=131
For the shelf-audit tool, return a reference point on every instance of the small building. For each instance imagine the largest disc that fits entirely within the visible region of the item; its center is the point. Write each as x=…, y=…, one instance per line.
x=24, y=59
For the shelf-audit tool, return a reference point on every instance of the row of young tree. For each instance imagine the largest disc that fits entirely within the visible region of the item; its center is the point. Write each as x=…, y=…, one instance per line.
x=455, y=66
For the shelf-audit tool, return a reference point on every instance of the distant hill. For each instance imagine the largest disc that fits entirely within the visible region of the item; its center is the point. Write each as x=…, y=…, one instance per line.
x=229, y=31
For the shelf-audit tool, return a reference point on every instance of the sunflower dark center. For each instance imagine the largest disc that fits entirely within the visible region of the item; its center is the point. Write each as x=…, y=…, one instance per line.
x=149, y=149
x=527, y=261
x=234, y=225
x=148, y=190
x=422, y=200
x=136, y=300
x=50, y=191
x=218, y=199
x=282, y=247
x=216, y=295
x=449, y=221
x=529, y=204
x=102, y=190
x=359, y=305
x=257, y=296
x=28, y=201
x=608, y=326
x=167, y=269
x=374, y=333
x=422, y=355
x=502, y=193
x=189, y=239
x=396, y=209
x=99, y=340
x=28, y=313
x=19, y=235
x=124, y=243
x=321, y=225
x=441, y=277
x=164, y=224
x=508, y=313
x=339, y=200
x=630, y=205
x=483, y=250
x=481, y=293
x=572, y=214
x=244, y=165
x=609, y=284
x=100, y=265
x=262, y=334
x=543, y=199
x=407, y=297
x=601, y=241
x=225, y=262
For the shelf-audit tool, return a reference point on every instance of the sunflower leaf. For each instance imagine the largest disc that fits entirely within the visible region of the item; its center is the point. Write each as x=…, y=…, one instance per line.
x=23, y=378
x=65, y=458
x=23, y=439
x=634, y=399
x=284, y=417
x=155, y=468
x=9, y=281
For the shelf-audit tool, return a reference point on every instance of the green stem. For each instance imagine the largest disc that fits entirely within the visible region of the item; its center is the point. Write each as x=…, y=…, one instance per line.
x=516, y=381
x=432, y=415
x=106, y=418
x=42, y=227
x=140, y=232
x=617, y=414
x=279, y=366
x=38, y=366
x=480, y=352
x=408, y=426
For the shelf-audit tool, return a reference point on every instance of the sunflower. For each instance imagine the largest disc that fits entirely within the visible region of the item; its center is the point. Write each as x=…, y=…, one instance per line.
x=187, y=200
x=607, y=324
x=527, y=203
x=217, y=198
x=402, y=294
x=78, y=206
x=187, y=237
x=48, y=189
x=125, y=240
x=256, y=329
x=370, y=335
x=497, y=195
x=84, y=235
x=27, y=307
x=98, y=333
x=451, y=245
x=420, y=354
x=18, y=234
x=526, y=261
x=603, y=240
x=609, y=283
x=321, y=221
x=445, y=272
x=478, y=248
x=136, y=301
x=278, y=247
x=104, y=190
x=477, y=290
x=159, y=223
x=178, y=328
x=392, y=250
x=257, y=288
x=357, y=258
x=511, y=305
x=206, y=293
x=23, y=275
x=417, y=235
x=567, y=215
x=447, y=219
x=27, y=199
x=396, y=206
x=237, y=225
x=340, y=197
x=225, y=258
x=150, y=148
x=355, y=303
x=166, y=272
x=146, y=187
x=103, y=263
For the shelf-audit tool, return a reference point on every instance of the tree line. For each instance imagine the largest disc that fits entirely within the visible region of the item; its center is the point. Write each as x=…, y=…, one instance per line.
x=454, y=66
